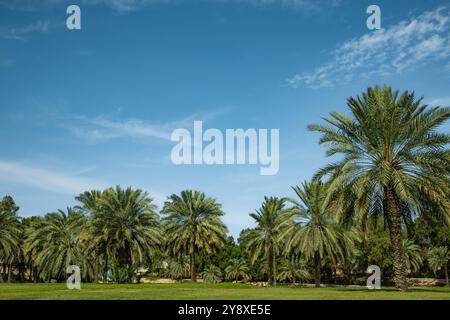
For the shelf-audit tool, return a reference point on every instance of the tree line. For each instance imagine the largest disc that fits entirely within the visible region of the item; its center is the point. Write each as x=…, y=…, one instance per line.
x=384, y=200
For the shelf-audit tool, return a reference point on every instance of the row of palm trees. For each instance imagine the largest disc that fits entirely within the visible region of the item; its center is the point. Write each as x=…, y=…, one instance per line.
x=289, y=243
x=392, y=168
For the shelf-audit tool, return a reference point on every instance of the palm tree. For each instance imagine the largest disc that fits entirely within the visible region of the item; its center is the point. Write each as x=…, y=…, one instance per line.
x=264, y=240
x=211, y=274
x=391, y=156
x=438, y=259
x=413, y=258
x=316, y=235
x=92, y=236
x=193, y=223
x=179, y=267
x=292, y=269
x=237, y=269
x=55, y=241
x=10, y=231
x=126, y=224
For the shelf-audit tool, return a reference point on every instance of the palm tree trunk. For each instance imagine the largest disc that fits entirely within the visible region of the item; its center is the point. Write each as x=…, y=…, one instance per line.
x=9, y=272
x=193, y=258
x=317, y=269
x=270, y=261
x=105, y=269
x=97, y=267
x=30, y=275
x=274, y=263
x=392, y=210
x=22, y=268
x=446, y=273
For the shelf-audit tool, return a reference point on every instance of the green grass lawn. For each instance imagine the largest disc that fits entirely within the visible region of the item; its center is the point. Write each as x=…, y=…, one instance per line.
x=226, y=291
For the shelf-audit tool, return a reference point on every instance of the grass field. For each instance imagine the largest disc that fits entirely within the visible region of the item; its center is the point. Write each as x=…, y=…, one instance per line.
x=226, y=291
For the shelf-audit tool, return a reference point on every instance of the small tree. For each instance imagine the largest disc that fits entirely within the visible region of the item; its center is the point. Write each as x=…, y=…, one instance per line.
x=438, y=259
x=237, y=269
x=211, y=274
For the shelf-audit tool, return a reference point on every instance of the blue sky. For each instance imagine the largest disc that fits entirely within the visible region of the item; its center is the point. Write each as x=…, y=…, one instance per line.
x=95, y=107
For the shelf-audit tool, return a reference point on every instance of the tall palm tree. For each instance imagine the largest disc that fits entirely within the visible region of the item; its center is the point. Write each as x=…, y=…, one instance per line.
x=438, y=259
x=10, y=231
x=126, y=222
x=264, y=240
x=237, y=269
x=193, y=223
x=391, y=156
x=316, y=235
x=55, y=241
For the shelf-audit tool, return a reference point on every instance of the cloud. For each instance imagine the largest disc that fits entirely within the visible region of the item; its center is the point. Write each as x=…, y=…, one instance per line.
x=20, y=33
x=41, y=178
x=125, y=6
x=308, y=5
x=399, y=47
x=101, y=129
x=441, y=102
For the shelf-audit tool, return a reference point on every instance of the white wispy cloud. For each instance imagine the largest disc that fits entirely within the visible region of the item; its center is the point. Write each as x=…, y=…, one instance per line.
x=294, y=4
x=21, y=33
x=125, y=6
x=442, y=102
x=42, y=178
x=101, y=129
x=404, y=45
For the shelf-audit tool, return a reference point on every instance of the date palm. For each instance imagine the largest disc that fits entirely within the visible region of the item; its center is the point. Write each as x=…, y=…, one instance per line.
x=211, y=274
x=438, y=259
x=126, y=221
x=413, y=258
x=179, y=267
x=391, y=156
x=93, y=237
x=264, y=240
x=192, y=223
x=316, y=235
x=55, y=242
x=10, y=231
x=237, y=269
x=293, y=269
